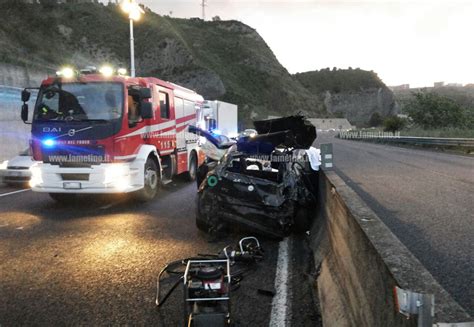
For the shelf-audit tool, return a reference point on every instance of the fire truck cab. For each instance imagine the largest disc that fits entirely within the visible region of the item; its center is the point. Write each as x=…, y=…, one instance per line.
x=106, y=133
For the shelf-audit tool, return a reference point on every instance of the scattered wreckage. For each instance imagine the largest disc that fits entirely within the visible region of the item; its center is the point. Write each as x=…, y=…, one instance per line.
x=266, y=182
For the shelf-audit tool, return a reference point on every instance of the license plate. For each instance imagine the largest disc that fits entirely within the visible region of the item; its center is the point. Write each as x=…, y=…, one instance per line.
x=71, y=185
x=14, y=173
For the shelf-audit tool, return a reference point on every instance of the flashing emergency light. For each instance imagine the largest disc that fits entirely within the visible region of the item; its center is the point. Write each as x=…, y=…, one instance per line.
x=49, y=143
x=216, y=131
x=107, y=71
x=66, y=72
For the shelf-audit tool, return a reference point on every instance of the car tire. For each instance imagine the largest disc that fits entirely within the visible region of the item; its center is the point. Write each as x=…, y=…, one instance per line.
x=65, y=198
x=190, y=175
x=151, y=182
x=201, y=220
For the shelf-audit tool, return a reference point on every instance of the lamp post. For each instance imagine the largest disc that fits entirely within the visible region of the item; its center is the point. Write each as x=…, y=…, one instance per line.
x=134, y=12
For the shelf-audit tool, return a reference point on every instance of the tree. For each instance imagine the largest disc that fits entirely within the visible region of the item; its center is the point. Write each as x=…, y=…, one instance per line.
x=393, y=124
x=216, y=19
x=375, y=120
x=431, y=110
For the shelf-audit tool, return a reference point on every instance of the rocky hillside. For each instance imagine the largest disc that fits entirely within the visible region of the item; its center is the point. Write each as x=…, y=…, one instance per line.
x=224, y=60
x=354, y=94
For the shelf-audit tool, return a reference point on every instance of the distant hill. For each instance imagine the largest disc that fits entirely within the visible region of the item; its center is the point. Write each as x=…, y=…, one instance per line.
x=339, y=80
x=224, y=60
x=354, y=94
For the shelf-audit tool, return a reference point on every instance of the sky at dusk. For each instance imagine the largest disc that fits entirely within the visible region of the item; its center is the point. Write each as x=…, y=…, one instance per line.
x=415, y=42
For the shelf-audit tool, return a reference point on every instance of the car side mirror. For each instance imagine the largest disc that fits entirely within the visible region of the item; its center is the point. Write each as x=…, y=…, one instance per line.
x=146, y=110
x=24, y=112
x=25, y=95
x=145, y=93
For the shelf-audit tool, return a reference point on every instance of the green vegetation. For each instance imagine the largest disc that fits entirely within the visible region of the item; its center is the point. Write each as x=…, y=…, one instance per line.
x=433, y=111
x=339, y=80
x=394, y=124
x=232, y=54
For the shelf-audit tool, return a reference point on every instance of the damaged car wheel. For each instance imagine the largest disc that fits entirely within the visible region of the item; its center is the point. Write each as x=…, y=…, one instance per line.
x=201, y=220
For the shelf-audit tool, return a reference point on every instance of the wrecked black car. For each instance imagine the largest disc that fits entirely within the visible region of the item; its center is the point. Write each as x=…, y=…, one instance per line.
x=266, y=183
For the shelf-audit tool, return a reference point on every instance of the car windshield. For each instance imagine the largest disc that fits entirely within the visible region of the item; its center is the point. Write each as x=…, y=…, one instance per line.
x=80, y=102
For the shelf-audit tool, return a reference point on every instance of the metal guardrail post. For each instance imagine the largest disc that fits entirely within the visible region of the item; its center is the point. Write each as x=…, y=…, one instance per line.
x=327, y=156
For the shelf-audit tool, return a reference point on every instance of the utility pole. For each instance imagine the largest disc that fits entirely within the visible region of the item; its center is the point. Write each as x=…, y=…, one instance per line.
x=203, y=5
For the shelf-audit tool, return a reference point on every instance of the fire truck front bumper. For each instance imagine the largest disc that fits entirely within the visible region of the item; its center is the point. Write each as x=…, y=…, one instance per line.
x=103, y=178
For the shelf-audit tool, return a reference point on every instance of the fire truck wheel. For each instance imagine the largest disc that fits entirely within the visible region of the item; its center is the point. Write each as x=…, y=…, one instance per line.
x=151, y=183
x=63, y=197
x=191, y=174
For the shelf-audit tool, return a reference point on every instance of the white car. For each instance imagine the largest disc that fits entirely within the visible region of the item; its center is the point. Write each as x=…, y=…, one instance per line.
x=17, y=170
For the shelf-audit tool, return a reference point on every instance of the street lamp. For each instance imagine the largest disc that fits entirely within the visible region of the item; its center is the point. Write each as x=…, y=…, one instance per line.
x=134, y=12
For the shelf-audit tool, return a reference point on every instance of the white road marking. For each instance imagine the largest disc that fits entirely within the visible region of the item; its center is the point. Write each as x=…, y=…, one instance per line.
x=15, y=192
x=280, y=306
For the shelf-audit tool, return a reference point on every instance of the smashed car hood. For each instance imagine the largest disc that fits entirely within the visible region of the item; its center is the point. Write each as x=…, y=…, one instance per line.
x=299, y=132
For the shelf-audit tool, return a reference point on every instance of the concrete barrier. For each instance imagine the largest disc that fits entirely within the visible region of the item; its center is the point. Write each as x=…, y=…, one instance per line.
x=14, y=134
x=360, y=262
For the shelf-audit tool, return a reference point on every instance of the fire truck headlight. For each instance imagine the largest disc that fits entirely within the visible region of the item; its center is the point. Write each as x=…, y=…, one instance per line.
x=117, y=175
x=36, y=176
x=107, y=71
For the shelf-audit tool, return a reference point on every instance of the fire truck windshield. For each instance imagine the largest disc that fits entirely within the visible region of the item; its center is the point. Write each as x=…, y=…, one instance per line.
x=100, y=101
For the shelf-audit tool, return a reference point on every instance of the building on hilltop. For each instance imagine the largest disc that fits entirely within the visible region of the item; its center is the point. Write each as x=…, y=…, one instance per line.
x=400, y=87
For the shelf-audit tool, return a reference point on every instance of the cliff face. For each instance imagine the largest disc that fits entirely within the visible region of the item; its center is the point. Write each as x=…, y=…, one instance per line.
x=357, y=107
x=354, y=94
x=20, y=76
x=224, y=60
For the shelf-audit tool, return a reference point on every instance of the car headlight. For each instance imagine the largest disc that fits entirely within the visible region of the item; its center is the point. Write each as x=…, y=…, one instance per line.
x=4, y=165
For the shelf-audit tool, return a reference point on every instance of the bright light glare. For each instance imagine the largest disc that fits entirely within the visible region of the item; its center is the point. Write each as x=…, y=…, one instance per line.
x=36, y=177
x=66, y=72
x=126, y=6
x=48, y=143
x=117, y=175
x=4, y=164
x=107, y=71
x=217, y=132
x=132, y=8
x=122, y=71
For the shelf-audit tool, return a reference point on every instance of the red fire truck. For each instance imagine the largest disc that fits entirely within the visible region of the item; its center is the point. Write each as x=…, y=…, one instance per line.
x=102, y=132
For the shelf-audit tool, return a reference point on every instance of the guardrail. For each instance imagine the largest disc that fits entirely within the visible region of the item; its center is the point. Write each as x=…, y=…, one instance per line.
x=413, y=140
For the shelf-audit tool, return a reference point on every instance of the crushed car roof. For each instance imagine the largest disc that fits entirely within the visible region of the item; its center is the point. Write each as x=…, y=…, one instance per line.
x=291, y=132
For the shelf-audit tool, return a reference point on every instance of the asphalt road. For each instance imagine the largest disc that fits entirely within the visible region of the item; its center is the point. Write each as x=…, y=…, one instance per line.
x=96, y=262
x=426, y=198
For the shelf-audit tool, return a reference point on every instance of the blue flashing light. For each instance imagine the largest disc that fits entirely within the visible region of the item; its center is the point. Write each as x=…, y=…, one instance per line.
x=216, y=132
x=49, y=143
